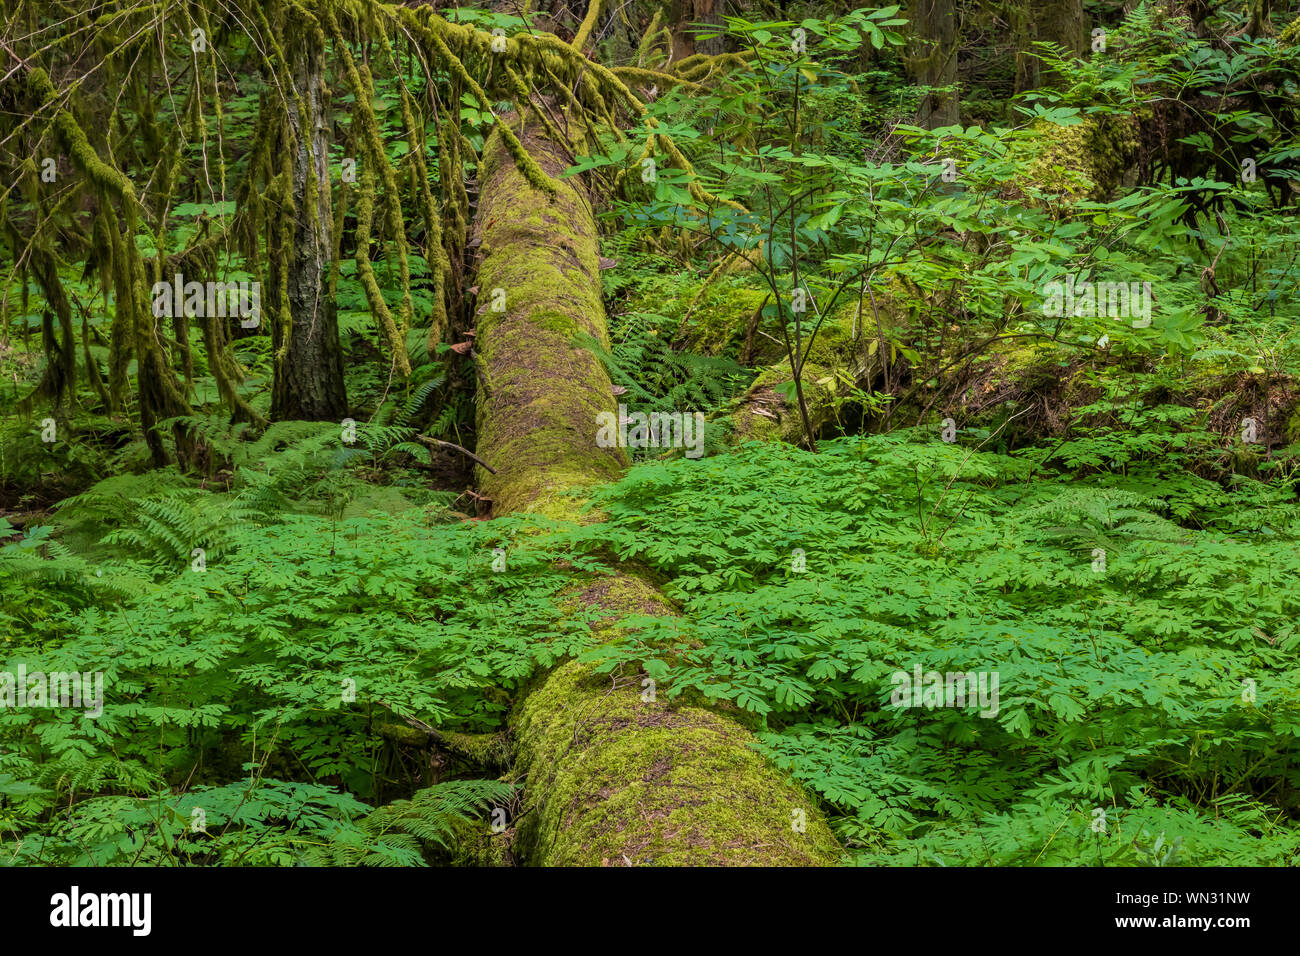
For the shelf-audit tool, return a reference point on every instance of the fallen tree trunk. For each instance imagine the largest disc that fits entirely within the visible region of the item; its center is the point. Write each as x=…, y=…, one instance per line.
x=539, y=285
x=611, y=775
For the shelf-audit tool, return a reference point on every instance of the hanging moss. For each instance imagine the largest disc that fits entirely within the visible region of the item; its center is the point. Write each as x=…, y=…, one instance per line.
x=223, y=369
x=655, y=78
x=60, y=374
x=588, y=23
x=279, y=254
x=435, y=254
x=375, y=166
x=159, y=395
x=648, y=40
x=119, y=347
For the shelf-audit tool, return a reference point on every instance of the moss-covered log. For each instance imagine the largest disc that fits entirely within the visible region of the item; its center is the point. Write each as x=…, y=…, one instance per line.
x=538, y=288
x=610, y=778
x=845, y=356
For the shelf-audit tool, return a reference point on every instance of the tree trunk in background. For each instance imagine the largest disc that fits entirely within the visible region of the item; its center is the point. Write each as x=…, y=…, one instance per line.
x=1023, y=34
x=1060, y=22
x=683, y=14
x=309, y=359
x=931, y=59
x=613, y=776
x=1260, y=10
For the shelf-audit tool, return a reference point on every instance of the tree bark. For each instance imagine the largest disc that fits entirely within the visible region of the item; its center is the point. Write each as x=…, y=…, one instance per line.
x=1023, y=34
x=1059, y=22
x=613, y=776
x=932, y=60
x=1260, y=11
x=685, y=15
x=309, y=359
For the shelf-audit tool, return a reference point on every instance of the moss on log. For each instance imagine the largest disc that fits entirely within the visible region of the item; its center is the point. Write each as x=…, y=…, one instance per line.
x=617, y=777
x=538, y=288
x=609, y=778
x=844, y=356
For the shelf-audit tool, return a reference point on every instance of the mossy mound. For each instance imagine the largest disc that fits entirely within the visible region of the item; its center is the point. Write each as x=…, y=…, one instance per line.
x=1035, y=380
x=1086, y=161
x=769, y=411
x=720, y=316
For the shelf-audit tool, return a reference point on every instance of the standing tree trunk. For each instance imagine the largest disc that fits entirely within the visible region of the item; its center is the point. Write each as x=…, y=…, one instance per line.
x=614, y=775
x=1023, y=34
x=308, y=357
x=685, y=15
x=931, y=60
x=1059, y=22
x=1260, y=11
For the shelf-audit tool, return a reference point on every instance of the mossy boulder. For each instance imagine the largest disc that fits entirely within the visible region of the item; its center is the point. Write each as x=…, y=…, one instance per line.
x=718, y=318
